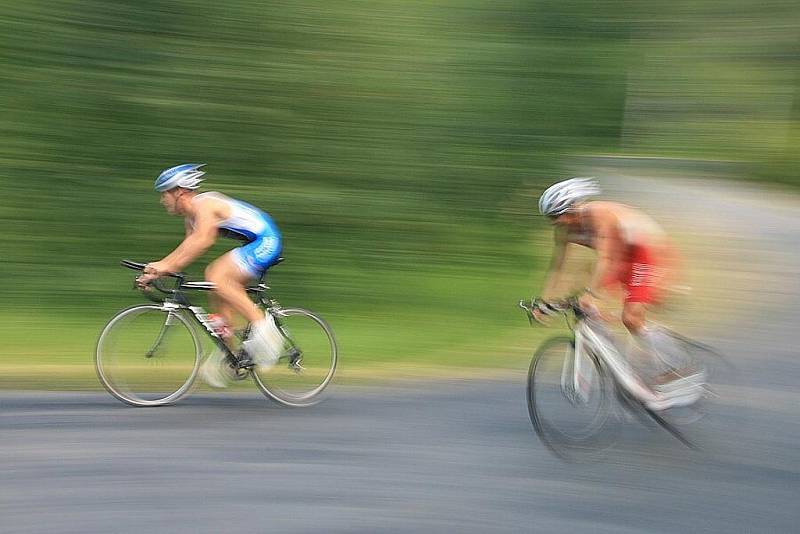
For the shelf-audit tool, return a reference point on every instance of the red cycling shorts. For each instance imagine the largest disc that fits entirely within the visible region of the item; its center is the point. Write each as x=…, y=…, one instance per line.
x=640, y=274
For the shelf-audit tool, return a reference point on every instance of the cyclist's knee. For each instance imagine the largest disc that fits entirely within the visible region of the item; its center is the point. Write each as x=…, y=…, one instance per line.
x=221, y=270
x=213, y=272
x=219, y=279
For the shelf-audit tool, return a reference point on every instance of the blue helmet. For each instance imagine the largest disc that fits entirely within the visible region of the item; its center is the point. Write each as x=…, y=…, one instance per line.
x=187, y=176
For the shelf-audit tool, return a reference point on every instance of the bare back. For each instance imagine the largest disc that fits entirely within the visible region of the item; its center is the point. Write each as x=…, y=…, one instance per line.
x=622, y=224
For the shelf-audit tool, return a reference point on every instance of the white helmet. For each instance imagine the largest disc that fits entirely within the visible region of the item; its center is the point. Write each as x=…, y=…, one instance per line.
x=559, y=197
x=187, y=176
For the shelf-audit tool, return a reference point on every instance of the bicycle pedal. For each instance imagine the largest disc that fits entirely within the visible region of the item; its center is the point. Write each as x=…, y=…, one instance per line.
x=295, y=356
x=240, y=374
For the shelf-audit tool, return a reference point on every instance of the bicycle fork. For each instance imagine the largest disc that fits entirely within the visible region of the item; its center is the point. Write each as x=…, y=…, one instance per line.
x=169, y=321
x=577, y=374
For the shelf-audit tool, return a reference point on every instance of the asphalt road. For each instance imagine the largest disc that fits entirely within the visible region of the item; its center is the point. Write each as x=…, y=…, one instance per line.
x=456, y=456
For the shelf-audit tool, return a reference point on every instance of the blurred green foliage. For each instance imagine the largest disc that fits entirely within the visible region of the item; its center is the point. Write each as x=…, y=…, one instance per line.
x=400, y=145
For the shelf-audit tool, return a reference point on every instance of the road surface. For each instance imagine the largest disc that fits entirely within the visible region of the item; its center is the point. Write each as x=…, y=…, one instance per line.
x=448, y=456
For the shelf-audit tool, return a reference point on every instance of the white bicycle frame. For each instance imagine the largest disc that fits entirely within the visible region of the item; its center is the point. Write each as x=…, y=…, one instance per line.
x=575, y=381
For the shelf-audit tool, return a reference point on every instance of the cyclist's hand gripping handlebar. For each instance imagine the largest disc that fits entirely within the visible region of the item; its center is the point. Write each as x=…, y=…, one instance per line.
x=136, y=266
x=537, y=309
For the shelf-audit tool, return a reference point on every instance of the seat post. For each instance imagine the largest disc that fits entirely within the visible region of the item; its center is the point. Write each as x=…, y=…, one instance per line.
x=264, y=274
x=263, y=279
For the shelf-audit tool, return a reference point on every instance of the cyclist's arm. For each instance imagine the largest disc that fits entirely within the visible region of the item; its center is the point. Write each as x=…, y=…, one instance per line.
x=605, y=245
x=556, y=263
x=200, y=239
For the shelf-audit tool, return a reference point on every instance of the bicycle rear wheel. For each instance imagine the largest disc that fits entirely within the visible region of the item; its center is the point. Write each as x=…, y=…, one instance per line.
x=148, y=355
x=308, y=363
x=570, y=415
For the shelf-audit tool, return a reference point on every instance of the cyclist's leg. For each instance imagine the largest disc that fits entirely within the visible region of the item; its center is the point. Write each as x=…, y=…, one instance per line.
x=231, y=273
x=642, y=353
x=264, y=341
x=670, y=374
x=665, y=364
x=641, y=282
x=634, y=316
x=229, y=283
x=235, y=269
x=230, y=296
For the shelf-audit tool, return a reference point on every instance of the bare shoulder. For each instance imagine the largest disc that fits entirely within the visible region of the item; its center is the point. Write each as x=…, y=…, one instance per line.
x=600, y=210
x=634, y=223
x=211, y=204
x=606, y=206
x=607, y=209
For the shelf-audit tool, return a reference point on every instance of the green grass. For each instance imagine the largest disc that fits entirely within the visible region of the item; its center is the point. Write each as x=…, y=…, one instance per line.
x=434, y=316
x=400, y=146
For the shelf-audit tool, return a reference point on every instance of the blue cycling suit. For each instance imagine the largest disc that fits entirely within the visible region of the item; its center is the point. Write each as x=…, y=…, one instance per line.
x=253, y=226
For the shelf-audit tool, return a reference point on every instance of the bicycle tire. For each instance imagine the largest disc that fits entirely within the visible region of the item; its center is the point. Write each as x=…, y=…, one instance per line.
x=285, y=382
x=563, y=433
x=139, y=376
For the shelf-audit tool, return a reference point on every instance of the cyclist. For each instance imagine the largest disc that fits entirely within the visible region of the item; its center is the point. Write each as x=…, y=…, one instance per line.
x=206, y=216
x=632, y=251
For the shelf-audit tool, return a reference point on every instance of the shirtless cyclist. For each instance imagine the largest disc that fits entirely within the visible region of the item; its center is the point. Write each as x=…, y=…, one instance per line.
x=632, y=252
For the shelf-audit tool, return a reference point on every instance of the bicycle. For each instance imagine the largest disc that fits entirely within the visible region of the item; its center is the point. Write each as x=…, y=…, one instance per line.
x=150, y=354
x=589, y=376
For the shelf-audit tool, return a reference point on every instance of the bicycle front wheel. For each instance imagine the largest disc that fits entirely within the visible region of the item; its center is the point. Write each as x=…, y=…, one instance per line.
x=307, y=364
x=148, y=355
x=570, y=408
